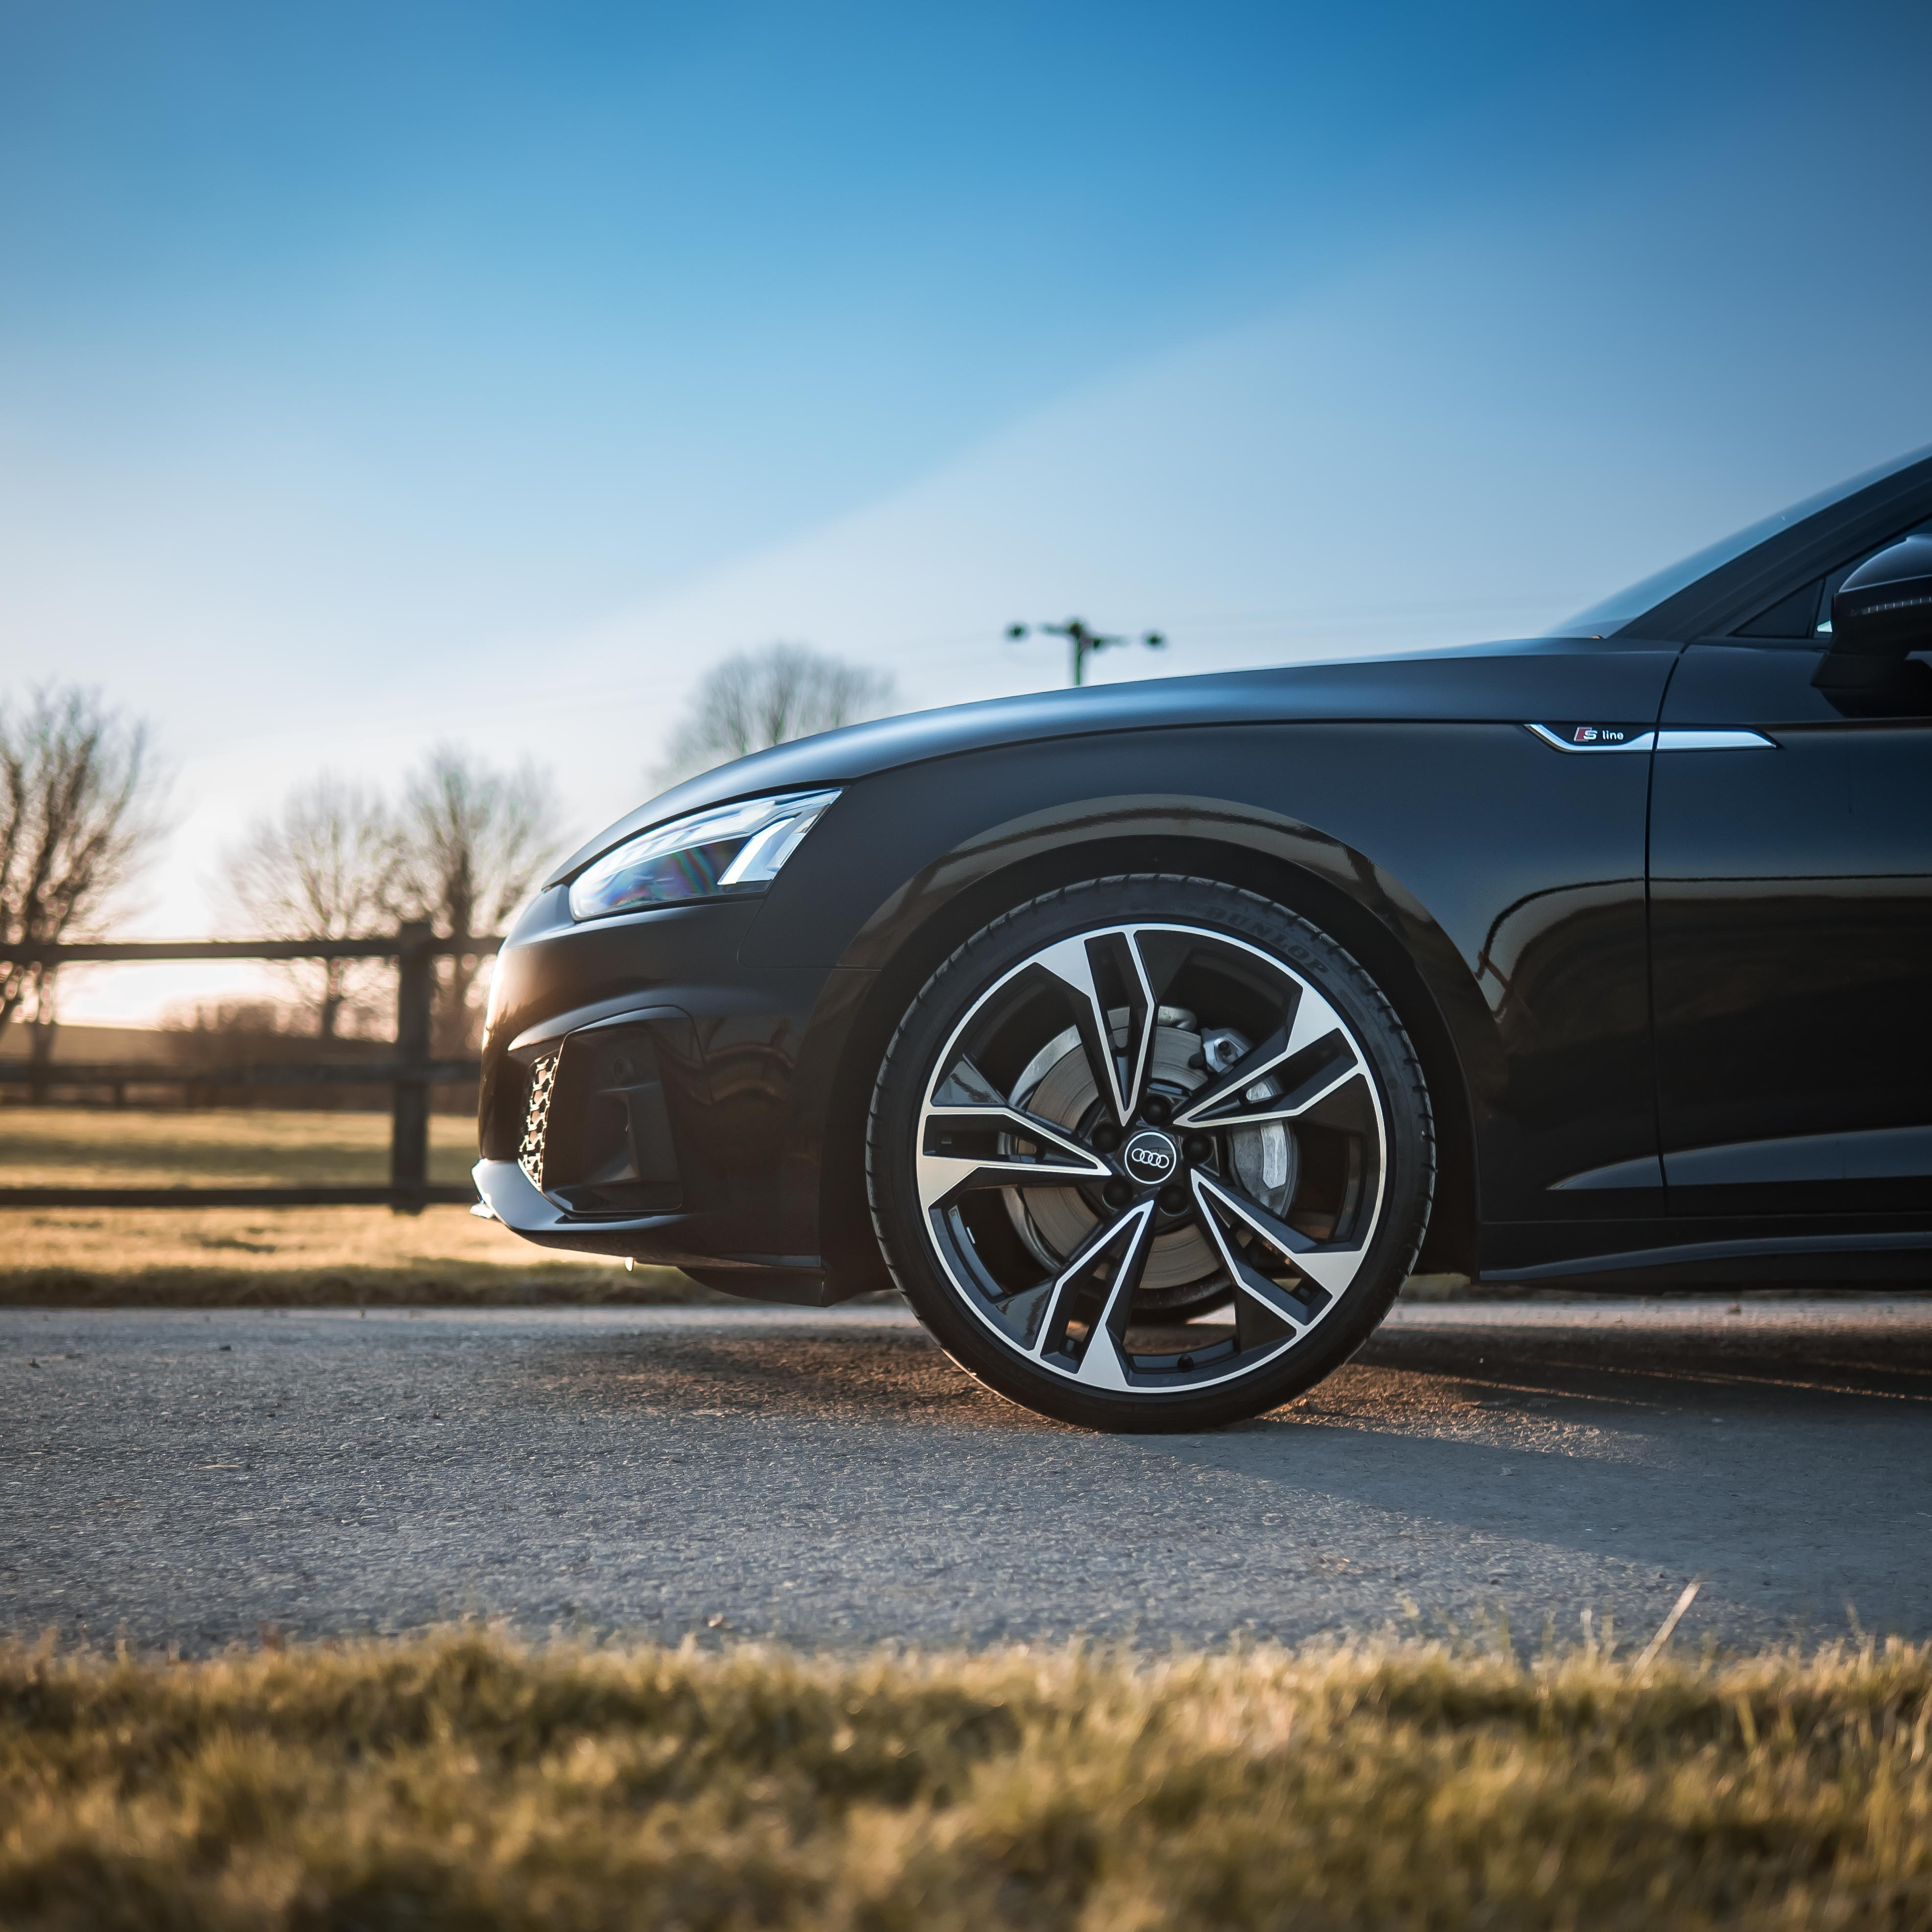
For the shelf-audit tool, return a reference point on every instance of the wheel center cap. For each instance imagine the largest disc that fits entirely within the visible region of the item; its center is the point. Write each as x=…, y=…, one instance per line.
x=1150, y=1158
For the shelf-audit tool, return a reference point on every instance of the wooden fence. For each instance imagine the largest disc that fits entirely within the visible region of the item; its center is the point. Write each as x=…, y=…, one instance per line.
x=409, y=1073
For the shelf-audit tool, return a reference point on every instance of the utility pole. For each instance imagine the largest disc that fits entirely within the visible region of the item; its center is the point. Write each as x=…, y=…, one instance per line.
x=1084, y=641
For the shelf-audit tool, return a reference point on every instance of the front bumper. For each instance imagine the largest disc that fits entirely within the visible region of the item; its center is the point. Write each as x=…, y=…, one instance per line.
x=644, y=1094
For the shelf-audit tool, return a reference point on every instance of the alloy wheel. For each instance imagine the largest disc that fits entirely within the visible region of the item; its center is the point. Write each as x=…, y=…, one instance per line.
x=1150, y=1158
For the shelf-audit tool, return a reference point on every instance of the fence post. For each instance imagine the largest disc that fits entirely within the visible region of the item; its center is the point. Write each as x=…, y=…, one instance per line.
x=39, y=1057
x=408, y=1133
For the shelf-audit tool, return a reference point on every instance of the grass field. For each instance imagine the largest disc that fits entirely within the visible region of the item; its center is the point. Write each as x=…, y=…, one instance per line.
x=202, y=1256
x=233, y=1146
x=463, y=1782
x=280, y=1257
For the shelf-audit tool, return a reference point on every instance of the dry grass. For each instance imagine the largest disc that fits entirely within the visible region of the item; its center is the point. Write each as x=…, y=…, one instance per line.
x=228, y=1147
x=464, y=1782
x=299, y=1257
x=255, y=1257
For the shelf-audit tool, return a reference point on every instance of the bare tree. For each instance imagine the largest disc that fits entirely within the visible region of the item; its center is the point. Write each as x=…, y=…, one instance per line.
x=761, y=698
x=76, y=812
x=328, y=865
x=475, y=840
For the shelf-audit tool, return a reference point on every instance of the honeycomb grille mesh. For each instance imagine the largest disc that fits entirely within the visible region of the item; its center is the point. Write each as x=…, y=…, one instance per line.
x=536, y=1118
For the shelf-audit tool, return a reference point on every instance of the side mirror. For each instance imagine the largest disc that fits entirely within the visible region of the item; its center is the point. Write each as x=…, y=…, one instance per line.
x=1881, y=614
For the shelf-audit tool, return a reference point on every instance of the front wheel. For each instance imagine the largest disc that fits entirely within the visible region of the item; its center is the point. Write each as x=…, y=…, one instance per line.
x=1149, y=1152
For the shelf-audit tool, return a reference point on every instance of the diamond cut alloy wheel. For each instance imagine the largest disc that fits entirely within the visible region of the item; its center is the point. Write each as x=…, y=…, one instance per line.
x=1151, y=1160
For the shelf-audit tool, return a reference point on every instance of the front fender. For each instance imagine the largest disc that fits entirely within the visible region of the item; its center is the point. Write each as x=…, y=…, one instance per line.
x=1507, y=878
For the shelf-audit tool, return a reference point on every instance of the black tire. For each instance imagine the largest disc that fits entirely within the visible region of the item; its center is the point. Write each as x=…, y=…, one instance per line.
x=1087, y=1359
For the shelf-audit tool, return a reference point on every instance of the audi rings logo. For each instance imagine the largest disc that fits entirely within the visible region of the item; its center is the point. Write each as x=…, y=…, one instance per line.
x=1149, y=1156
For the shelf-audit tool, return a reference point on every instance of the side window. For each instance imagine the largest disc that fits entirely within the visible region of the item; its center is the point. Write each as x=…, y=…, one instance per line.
x=1805, y=614
x=1795, y=617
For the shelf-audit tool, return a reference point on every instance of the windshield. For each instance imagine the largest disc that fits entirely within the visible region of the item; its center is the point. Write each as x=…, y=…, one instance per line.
x=1611, y=613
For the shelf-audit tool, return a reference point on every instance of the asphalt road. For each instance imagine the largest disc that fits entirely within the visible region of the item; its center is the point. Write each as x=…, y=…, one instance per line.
x=189, y=1478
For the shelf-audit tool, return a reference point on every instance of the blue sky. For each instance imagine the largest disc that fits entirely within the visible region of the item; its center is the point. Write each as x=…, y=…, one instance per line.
x=357, y=362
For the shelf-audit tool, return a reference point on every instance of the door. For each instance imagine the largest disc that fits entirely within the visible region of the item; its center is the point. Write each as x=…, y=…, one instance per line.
x=1791, y=925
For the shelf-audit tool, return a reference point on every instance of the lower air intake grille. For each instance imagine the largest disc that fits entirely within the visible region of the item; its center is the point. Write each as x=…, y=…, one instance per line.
x=536, y=1118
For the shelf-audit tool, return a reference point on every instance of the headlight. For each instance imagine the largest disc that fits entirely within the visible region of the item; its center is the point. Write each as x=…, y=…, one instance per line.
x=728, y=848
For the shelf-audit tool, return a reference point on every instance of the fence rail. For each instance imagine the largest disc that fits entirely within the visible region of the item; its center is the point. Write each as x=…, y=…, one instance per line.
x=408, y=1071
x=79, y=953
x=431, y=1194
x=241, y=1073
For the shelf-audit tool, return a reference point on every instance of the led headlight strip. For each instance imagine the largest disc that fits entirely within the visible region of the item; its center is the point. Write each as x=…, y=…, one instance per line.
x=723, y=850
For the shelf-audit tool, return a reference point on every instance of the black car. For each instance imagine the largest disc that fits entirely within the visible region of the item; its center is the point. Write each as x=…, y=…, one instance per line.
x=1147, y=1036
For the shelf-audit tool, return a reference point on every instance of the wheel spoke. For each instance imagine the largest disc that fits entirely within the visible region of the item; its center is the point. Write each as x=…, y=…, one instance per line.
x=964, y=1086
x=1064, y=1163
x=1329, y=1267
x=1262, y=1307
x=1330, y=1077
x=1103, y=1360
x=1104, y=973
x=1313, y=1019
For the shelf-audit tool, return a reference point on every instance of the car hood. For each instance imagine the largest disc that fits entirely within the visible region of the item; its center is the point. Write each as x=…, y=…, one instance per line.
x=1528, y=679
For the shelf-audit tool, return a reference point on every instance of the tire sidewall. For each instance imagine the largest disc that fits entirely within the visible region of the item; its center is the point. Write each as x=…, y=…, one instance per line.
x=906, y=1070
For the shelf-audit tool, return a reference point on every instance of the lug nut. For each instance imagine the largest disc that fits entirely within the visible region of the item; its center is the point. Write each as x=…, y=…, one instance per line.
x=1117, y=1194
x=1173, y=1200
x=1198, y=1147
x=1106, y=1137
x=1155, y=1111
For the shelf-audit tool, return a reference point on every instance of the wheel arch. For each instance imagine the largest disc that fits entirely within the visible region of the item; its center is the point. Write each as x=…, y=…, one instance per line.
x=1377, y=920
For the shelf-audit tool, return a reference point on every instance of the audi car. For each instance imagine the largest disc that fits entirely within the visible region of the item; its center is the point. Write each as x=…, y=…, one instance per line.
x=1146, y=1037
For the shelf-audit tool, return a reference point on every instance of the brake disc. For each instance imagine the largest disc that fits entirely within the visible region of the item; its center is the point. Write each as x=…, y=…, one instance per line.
x=1057, y=1084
